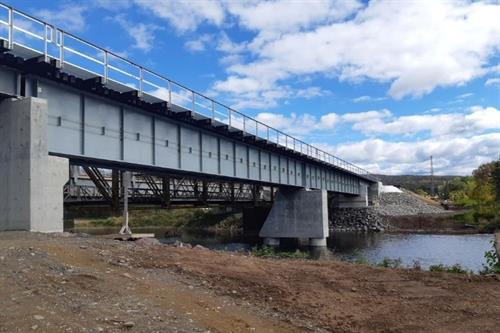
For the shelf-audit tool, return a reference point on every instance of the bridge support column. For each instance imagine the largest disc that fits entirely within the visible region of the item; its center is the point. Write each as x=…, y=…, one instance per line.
x=31, y=194
x=297, y=213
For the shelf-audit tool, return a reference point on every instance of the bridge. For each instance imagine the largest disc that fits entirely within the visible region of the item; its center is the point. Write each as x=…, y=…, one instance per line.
x=67, y=101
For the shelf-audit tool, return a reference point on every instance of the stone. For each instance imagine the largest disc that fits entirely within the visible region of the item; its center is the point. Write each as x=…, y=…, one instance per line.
x=147, y=241
x=129, y=324
x=201, y=247
x=38, y=317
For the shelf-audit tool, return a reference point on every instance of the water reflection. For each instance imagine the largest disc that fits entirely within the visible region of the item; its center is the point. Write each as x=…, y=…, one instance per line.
x=427, y=249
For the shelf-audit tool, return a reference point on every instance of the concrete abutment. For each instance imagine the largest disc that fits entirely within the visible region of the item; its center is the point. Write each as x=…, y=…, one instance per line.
x=31, y=194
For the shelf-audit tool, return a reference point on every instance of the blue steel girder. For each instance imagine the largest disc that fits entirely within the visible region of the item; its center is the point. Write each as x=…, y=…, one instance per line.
x=92, y=124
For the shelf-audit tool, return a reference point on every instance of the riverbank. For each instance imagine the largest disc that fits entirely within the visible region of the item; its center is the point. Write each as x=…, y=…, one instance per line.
x=62, y=283
x=448, y=222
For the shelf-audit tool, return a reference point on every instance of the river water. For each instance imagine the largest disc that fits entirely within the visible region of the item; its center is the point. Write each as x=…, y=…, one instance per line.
x=426, y=249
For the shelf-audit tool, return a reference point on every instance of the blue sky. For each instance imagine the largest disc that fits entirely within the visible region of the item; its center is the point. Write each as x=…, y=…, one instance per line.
x=383, y=84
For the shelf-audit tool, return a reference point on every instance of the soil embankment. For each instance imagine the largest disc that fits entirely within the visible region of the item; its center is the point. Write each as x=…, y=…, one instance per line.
x=82, y=284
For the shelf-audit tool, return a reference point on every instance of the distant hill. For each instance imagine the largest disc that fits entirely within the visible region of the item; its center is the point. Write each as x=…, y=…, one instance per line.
x=414, y=183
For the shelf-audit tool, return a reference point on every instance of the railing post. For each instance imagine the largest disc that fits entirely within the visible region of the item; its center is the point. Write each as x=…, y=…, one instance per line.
x=193, y=101
x=169, y=93
x=106, y=67
x=11, y=28
x=213, y=110
x=61, y=48
x=45, y=46
x=267, y=133
x=229, y=117
x=244, y=124
x=141, y=81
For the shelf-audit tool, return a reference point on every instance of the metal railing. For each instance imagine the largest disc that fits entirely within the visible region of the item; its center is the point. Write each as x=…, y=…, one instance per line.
x=25, y=32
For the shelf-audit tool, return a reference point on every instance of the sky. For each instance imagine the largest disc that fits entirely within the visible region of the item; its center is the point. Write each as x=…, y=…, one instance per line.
x=382, y=84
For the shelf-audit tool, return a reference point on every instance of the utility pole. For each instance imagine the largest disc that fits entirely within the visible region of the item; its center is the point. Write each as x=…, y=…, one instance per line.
x=432, y=178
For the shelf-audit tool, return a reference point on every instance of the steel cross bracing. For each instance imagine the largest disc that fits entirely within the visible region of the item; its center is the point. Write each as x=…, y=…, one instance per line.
x=26, y=36
x=90, y=185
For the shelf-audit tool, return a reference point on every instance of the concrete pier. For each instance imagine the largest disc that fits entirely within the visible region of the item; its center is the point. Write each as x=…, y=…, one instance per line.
x=298, y=213
x=31, y=195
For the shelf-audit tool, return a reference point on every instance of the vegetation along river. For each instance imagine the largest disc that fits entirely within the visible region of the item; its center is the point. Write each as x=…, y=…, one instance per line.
x=425, y=249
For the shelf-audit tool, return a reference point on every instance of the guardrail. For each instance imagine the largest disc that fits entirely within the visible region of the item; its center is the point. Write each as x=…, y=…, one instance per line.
x=23, y=30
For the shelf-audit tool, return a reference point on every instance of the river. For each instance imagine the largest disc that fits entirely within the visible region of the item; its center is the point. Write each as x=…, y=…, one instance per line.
x=426, y=249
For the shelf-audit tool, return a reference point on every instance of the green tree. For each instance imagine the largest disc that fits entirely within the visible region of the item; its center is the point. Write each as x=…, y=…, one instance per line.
x=496, y=180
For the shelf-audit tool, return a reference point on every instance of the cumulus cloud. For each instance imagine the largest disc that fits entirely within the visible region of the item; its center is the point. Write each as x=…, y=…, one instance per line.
x=199, y=44
x=416, y=47
x=456, y=155
x=142, y=34
x=185, y=16
x=68, y=16
x=362, y=99
x=477, y=119
x=492, y=82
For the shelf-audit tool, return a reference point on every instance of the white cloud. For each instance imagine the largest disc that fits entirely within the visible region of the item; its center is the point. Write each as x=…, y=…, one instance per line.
x=298, y=124
x=199, y=44
x=456, y=155
x=362, y=99
x=492, y=82
x=416, y=47
x=367, y=116
x=282, y=16
x=466, y=95
x=142, y=34
x=255, y=94
x=185, y=15
x=477, y=119
x=69, y=17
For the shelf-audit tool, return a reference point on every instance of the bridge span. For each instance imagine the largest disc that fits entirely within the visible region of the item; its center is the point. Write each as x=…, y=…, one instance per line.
x=66, y=100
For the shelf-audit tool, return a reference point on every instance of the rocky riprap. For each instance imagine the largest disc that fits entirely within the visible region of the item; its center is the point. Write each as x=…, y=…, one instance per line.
x=375, y=218
x=404, y=204
x=356, y=219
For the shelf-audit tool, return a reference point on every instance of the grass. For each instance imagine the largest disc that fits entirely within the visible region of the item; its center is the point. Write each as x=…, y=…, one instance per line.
x=449, y=269
x=199, y=218
x=390, y=263
x=271, y=252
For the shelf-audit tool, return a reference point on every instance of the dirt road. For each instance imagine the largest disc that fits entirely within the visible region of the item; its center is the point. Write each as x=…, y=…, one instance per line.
x=67, y=283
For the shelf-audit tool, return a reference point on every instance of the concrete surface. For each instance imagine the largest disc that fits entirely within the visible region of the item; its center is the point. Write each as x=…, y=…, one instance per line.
x=298, y=213
x=31, y=195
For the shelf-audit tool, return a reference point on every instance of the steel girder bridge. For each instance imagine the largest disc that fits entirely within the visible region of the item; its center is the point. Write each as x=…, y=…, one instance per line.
x=105, y=111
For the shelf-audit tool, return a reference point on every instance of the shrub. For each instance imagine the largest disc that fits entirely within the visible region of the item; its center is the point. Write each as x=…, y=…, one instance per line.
x=448, y=269
x=492, y=265
x=390, y=263
x=271, y=252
